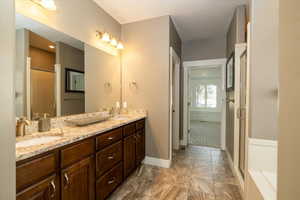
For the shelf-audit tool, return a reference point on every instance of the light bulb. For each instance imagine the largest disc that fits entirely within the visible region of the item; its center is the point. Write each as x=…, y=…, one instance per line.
x=114, y=42
x=105, y=37
x=120, y=46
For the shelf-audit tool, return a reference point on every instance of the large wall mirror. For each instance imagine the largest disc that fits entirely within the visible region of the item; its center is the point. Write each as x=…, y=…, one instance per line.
x=59, y=75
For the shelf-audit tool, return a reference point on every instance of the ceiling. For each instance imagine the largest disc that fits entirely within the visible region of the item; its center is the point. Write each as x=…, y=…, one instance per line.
x=194, y=19
x=46, y=32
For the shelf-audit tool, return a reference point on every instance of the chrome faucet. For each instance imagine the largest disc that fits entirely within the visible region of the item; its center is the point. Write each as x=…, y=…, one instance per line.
x=20, y=127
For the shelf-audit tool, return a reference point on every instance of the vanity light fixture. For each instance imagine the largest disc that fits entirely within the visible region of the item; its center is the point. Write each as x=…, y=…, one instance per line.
x=114, y=42
x=48, y=4
x=120, y=46
x=105, y=37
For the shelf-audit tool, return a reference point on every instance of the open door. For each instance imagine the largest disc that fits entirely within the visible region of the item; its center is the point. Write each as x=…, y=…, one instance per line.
x=242, y=112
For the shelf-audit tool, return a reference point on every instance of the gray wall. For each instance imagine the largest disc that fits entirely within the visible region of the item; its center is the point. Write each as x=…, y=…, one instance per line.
x=72, y=58
x=146, y=61
x=175, y=40
x=203, y=49
x=289, y=100
x=237, y=29
x=264, y=69
x=236, y=34
x=101, y=68
x=7, y=116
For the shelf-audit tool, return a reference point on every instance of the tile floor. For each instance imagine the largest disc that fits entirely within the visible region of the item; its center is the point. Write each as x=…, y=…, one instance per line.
x=205, y=133
x=197, y=173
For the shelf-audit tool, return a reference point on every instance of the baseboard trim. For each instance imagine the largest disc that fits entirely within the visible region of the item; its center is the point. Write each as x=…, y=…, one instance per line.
x=236, y=172
x=157, y=162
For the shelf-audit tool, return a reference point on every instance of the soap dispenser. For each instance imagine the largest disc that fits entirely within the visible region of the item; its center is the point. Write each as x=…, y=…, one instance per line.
x=44, y=123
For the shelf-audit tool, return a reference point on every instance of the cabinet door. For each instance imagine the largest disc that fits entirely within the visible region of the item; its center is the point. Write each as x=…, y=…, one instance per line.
x=44, y=190
x=129, y=155
x=140, y=146
x=78, y=181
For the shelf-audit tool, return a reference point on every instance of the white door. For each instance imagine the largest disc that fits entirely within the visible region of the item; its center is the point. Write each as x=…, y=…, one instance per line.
x=242, y=112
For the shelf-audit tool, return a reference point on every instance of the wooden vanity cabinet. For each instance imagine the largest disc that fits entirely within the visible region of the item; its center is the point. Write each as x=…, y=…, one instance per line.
x=78, y=171
x=37, y=179
x=134, y=146
x=90, y=169
x=78, y=181
x=129, y=155
x=140, y=146
x=47, y=189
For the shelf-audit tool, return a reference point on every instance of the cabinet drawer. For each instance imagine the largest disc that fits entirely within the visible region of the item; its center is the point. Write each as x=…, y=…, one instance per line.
x=35, y=170
x=109, y=138
x=108, y=182
x=140, y=125
x=77, y=152
x=46, y=189
x=129, y=129
x=108, y=157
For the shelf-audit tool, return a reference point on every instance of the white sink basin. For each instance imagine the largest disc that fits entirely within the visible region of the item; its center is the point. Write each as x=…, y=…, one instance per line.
x=37, y=141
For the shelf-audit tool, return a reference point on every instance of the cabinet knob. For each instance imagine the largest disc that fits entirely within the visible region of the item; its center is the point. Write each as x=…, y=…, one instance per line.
x=110, y=138
x=52, y=189
x=111, y=157
x=111, y=181
x=67, y=182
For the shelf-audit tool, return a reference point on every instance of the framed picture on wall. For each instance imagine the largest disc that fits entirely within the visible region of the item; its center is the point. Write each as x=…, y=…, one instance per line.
x=230, y=73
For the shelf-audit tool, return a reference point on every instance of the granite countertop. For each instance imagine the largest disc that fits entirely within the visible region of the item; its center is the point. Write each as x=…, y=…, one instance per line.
x=70, y=134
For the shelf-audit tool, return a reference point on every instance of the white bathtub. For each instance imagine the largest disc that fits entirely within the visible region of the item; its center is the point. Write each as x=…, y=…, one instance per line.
x=263, y=167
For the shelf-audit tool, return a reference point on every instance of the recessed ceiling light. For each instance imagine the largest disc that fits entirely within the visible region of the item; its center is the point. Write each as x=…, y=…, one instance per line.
x=51, y=47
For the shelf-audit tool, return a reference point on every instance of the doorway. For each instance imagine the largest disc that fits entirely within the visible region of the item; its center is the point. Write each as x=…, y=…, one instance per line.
x=174, y=109
x=204, y=107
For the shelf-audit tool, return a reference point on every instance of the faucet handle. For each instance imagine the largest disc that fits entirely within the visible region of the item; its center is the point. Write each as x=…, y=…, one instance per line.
x=23, y=120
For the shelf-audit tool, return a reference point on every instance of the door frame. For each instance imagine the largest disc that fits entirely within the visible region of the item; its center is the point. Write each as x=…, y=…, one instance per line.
x=174, y=121
x=240, y=49
x=188, y=65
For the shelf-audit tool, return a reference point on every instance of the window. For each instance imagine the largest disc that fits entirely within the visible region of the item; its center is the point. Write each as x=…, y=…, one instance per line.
x=205, y=96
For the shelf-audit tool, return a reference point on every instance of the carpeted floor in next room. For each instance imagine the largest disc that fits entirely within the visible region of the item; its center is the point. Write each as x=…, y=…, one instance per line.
x=197, y=173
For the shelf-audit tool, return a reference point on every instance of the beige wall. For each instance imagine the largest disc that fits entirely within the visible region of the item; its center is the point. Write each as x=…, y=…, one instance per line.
x=289, y=98
x=146, y=61
x=264, y=69
x=77, y=18
x=204, y=49
x=72, y=58
x=101, y=68
x=7, y=114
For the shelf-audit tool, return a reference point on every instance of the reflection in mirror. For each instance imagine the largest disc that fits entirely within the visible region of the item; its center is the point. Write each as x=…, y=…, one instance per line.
x=74, y=80
x=58, y=75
